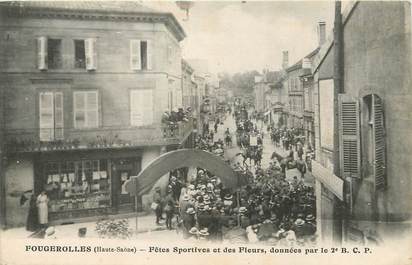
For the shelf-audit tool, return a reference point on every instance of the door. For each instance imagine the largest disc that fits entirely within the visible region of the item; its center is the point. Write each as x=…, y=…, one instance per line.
x=123, y=170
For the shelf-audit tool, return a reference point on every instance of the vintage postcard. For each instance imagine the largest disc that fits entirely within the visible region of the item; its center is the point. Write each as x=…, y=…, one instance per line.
x=205, y=132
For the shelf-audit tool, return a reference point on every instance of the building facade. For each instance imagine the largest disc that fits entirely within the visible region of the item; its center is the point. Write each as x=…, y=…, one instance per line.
x=371, y=192
x=85, y=93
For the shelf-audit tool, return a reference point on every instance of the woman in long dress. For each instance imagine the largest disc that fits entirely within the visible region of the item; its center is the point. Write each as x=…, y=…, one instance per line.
x=32, y=218
x=42, y=207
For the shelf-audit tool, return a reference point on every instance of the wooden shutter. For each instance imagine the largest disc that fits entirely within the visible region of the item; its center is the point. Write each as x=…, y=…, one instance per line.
x=46, y=116
x=42, y=53
x=148, y=106
x=92, y=116
x=91, y=54
x=135, y=62
x=379, y=143
x=349, y=136
x=141, y=107
x=79, y=109
x=58, y=116
x=136, y=108
x=149, y=50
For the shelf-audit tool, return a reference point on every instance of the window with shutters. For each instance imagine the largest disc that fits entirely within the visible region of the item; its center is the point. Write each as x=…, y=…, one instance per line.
x=141, y=54
x=51, y=121
x=79, y=54
x=141, y=107
x=86, y=109
x=91, y=53
x=349, y=135
x=373, y=140
x=54, y=54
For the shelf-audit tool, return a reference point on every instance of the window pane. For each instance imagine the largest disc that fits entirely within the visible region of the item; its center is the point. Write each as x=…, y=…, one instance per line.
x=79, y=54
x=143, y=54
x=54, y=53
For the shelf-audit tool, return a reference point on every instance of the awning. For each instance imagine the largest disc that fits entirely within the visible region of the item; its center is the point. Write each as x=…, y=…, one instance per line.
x=326, y=176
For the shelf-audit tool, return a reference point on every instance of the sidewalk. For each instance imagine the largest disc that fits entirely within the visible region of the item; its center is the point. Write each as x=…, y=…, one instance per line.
x=145, y=224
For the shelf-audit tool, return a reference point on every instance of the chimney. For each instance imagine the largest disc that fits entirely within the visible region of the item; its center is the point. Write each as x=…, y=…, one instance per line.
x=321, y=32
x=285, y=61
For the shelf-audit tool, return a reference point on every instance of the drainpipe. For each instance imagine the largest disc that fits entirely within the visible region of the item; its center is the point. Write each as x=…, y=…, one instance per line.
x=339, y=209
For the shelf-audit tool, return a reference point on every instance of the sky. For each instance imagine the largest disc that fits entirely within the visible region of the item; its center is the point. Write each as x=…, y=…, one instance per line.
x=236, y=36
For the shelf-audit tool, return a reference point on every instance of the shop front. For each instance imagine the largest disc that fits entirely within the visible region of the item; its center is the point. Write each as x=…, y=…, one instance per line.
x=89, y=183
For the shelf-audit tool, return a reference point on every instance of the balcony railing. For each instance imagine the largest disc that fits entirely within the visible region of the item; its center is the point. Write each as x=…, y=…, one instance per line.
x=28, y=140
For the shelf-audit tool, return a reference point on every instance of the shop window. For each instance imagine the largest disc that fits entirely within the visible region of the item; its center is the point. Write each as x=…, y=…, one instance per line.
x=54, y=54
x=85, y=109
x=76, y=185
x=51, y=124
x=79, y=54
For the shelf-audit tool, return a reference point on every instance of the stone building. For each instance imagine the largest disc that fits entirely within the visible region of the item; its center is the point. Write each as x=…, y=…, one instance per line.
x=85, y=86
x=368, y=199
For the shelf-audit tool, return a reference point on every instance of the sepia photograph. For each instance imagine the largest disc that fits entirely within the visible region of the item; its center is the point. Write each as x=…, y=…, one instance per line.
x=205, y=132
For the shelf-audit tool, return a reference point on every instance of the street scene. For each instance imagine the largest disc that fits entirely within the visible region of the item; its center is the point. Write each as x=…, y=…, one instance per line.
x=284, y=124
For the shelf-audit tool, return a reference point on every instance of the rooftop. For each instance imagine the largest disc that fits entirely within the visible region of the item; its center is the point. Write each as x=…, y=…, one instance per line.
x=95, y=10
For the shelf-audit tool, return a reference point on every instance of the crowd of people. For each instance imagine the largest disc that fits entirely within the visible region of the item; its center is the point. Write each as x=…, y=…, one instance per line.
x=170, y=120
x=266, y=208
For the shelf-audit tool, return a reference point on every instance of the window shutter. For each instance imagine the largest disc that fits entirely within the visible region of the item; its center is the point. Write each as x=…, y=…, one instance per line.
x=349, y=136
x=148, y=106
x=379, y=142
x=46, y=116
x=92, y=109
x=42, y=53
x=149, y=54
x=136, y=117
x=79, y=109
x=91, y=54
x=135, y=62
x=58, y=116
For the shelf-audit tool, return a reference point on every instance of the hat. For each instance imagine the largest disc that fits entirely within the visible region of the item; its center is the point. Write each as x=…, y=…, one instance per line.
x=194, y=230
x=191, y=187
x=190, y=211
x=310, y=217
x=228, y=197
x=200, y=171
x=242, y=209
x=204, y=232
x=186, y=197
x=50, y=231
x=299, y=222
x=206, y=208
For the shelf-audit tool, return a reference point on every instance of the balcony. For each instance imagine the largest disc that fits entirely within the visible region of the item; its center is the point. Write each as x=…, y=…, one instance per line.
x=27, y=140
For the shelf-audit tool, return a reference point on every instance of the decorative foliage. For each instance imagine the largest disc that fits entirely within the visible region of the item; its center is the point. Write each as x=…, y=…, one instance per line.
x=113, y=228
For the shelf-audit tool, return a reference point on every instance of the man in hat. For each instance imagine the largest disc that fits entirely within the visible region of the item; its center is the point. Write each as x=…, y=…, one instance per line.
x=298, y=227
x=204, y=234
x=157, y=198
x=189, y=220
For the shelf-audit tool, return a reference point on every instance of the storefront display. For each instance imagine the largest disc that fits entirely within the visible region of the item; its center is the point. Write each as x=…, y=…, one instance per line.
x=76, y=185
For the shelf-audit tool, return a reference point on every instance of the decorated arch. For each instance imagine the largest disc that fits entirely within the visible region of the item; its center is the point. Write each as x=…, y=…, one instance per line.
x=170, y=161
